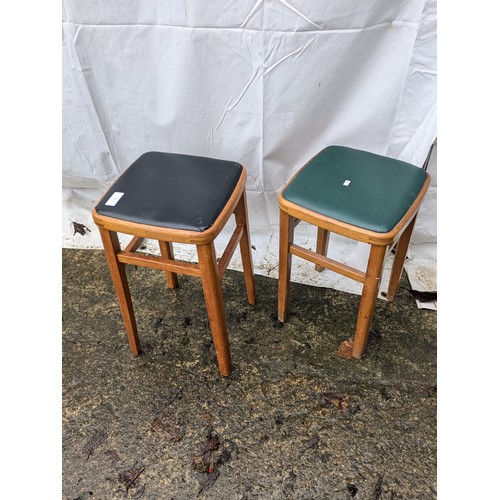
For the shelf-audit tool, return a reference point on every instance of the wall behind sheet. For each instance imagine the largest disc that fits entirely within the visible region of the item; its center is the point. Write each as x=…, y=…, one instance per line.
x=267, y=83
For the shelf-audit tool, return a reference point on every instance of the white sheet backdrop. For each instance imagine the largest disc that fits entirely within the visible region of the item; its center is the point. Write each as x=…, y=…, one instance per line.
x=267, y=83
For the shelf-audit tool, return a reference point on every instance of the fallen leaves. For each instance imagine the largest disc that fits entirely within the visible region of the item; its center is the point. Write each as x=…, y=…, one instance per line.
x=430, y=390
x=94, y=442
x=345, y=349
x=167, y=428
x=385, y=393
x=313, y=442
x=205, y=461
x=424, y=296
x=352, y=489
x=328, y=400
x=129, y=477
x=208, y=480
x=139, y=492
x=374, y=337
x=161, y=328
x=377, y=491
x=113, y=456
x=290, y=483
x=79, y=228
x=213, y=455
x=341, y=403
x=165, y=424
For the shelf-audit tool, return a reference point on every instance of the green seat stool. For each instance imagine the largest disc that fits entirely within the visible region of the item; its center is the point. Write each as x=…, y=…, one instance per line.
x=364, y=196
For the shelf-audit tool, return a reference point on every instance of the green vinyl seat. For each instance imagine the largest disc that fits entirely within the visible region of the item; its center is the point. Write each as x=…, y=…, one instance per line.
x=364, y=189
x=364, y=196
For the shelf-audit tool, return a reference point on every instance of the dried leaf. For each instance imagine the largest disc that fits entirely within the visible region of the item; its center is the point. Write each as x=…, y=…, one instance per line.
x=158, y=323
x=238, y=317
x=207, y=481
x=87, y=495
x=329, y=399
x=80, y=228
x=205, y=461
x=212, y=444
x=290, y=484
x=345, y=349
x=264, y=439
x=130, y=476
x=279, y=419
x=167, y=428
x=313, y=442
x=352, y=489
x=424, y=296
x=94, y=442
x=224, y=457
x=374, y=337
x=429, y=390
x=377, y=491
x=343, y=403
x=139, y=492
x=385, y=393
x=214, y=454
x=201, y=463
x=187, y=321
x=113, y=455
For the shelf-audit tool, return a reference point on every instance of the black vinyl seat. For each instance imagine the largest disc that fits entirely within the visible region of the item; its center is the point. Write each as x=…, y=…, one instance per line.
x=172, y=190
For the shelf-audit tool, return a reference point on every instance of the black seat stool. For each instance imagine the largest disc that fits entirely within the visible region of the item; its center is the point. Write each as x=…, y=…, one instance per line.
x=177, y=198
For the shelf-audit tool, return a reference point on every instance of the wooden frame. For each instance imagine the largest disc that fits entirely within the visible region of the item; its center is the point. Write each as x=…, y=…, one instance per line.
x=380, y=245
x=207, y=267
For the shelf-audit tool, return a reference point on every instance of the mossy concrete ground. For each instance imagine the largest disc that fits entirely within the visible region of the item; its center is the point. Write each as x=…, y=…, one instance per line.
x=294, y=419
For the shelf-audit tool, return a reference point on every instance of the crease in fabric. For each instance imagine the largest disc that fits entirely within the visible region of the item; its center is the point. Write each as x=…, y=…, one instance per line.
x=101, y=120
x=252, y=12
x=298, y=52
x=229, y=107
x=387, y=24
x=303, y=16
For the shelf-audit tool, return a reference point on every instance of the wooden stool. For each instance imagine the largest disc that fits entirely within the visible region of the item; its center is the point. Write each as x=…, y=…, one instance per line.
x=184, y=199
x=363, y=196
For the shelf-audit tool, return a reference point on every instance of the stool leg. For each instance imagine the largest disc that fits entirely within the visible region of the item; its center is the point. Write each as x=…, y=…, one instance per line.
x=119, y=277
x=241, y=216
x=167, y=252
x=322, y=245
x=399, y=260
x=285, y=263
x=215, y=308
x=368, y=299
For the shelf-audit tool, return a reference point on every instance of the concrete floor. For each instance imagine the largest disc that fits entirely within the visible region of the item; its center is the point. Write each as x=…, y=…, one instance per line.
x=294, y=420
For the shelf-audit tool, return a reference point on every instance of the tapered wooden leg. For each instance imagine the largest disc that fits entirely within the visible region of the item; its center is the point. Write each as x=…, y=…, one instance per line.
x=241, y=216
x=285, y=264
x=167, y=252
x=399, y=260
x=215, y=307
x=322, y=245
x=119, y=277
x=368, y=299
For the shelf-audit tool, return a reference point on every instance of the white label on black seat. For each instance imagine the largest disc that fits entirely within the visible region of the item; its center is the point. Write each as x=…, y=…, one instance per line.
x=114, y=199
